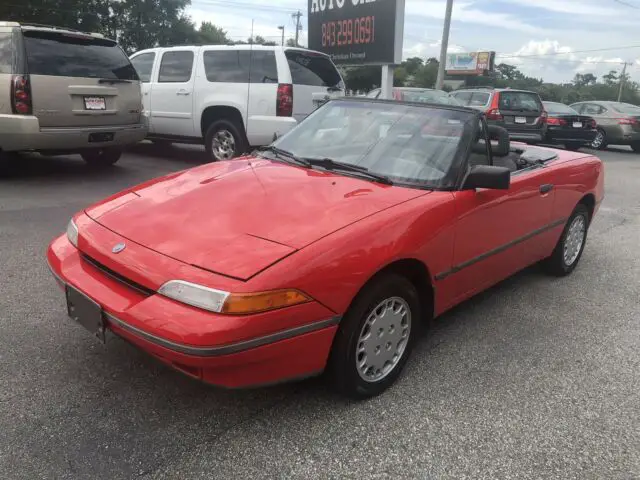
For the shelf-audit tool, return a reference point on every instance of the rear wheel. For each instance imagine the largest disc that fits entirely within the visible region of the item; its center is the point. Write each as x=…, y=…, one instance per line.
x=600, y=142
x=573, y=146
x=224, y=140
x=102, y=157
x=566, y=255
x=375, y=337
x=635, y=146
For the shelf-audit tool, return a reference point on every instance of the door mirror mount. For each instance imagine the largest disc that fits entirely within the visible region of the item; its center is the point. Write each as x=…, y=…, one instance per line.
x=487, y=176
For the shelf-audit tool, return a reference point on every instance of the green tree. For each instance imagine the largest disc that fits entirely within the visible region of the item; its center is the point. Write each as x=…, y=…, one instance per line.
x=209, y=34
x=412, y=65
x=291, y=42
x=582, y=80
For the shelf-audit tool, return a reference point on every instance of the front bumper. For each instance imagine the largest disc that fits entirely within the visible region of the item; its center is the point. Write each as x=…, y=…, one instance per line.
x=23, y=133
x=228, y=351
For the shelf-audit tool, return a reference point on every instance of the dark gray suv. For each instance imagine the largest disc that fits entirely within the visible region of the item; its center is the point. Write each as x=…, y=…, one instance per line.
x=519, y=111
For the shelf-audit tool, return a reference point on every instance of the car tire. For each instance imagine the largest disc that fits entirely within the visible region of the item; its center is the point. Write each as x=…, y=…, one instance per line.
x=391, y=342
x=574, y=147
x=568, y=250
x=600, y=142
x=635, y=146
x=102, y=157
x=224, y=140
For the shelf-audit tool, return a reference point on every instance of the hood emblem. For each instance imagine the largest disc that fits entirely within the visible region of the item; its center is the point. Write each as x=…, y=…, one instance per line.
x=118, y=247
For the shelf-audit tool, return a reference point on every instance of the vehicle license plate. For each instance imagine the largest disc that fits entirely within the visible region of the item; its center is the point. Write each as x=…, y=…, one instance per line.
x=94, y=103
x=520, y=120
x=86, y=312
x=577, y=124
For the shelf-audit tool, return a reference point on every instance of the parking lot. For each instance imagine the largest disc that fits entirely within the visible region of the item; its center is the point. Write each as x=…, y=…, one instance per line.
x=537, y=378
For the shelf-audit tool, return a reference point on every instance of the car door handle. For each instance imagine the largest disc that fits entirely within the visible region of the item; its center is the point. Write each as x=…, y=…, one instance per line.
x=546, y=188
x=183, y=92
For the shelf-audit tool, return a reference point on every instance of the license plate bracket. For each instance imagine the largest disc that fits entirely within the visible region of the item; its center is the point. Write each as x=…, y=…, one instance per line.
x=86, y=312
x=520, y=120
x=95, y=103
x=577, y=124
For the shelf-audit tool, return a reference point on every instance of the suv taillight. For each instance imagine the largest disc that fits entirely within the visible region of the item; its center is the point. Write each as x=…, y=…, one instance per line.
x=284, y=101
x=544, y=118
x=493, y=113
x=21, y=95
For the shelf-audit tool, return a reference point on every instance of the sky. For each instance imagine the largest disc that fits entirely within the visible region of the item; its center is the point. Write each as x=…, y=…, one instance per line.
x=549, y=39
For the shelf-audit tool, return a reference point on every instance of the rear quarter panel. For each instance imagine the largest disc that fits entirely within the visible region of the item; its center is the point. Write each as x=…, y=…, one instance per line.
x=576, y=175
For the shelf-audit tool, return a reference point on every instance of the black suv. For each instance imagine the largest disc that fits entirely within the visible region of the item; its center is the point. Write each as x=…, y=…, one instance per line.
x=519, y=111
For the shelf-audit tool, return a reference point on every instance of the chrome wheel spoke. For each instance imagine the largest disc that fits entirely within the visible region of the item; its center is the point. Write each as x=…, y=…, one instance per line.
x=574, y=240
x=383, y=339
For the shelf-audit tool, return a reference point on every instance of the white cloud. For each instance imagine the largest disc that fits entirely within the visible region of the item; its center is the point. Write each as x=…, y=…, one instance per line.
x=574, y=7
x=465, y=13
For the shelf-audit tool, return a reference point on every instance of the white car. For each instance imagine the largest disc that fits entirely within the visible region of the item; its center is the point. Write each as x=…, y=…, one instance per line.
x=231, y=98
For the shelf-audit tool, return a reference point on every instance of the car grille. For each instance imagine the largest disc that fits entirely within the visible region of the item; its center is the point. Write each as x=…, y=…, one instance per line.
x=116, y=276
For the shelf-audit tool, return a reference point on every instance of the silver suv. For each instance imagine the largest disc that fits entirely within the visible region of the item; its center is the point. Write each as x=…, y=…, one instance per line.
x=64, y=91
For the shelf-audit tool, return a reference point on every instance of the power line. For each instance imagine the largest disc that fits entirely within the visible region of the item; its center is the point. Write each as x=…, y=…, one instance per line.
x=622, y=2
x=628, y=47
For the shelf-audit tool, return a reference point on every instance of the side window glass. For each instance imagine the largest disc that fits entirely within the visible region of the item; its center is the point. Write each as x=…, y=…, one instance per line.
x=263, y=67
x=227, y=66
x=479, y=99
x=6, y=52
x=144, y=65
x=176, y=67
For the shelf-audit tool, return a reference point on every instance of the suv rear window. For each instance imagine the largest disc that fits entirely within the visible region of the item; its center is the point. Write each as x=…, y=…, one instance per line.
x=312, y=69
x=67, y=55
x=521, y=101
x=479, y=99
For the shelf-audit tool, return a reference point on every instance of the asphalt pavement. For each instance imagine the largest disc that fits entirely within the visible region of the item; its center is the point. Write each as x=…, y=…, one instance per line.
x=536, y=378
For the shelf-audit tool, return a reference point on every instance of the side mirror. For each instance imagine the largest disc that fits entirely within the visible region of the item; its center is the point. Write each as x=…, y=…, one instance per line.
x=487, y=176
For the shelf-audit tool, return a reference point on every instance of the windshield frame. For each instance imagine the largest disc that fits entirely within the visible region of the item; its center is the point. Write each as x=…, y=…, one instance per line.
x=450, y=180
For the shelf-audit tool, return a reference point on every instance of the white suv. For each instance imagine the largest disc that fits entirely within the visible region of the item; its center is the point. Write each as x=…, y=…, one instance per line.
x=231, y=98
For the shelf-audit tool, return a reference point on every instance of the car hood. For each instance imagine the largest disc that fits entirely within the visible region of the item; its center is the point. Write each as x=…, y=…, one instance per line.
x=239, y=217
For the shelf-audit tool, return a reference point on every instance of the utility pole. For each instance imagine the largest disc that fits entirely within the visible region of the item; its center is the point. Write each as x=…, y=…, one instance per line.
x=297, y=16
x=444, y=45
x=281, y=27
x=622, y=78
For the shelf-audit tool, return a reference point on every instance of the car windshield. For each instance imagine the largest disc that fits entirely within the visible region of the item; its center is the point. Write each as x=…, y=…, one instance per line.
x=626, y=108
x=428, y=96
x=559, y=108
x=410, y=145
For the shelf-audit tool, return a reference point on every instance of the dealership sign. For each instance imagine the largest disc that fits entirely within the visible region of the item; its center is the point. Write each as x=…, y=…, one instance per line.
x=357, y=32
x=475, y=63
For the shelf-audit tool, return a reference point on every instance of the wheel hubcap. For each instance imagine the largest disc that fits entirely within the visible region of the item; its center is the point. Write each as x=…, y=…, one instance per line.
x=383, y=339
x=574, y=240
x=223, y=145
x=598, y=140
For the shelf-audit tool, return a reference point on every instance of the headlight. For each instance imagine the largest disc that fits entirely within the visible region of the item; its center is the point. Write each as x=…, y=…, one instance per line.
x=72, y=233
x=230, y=303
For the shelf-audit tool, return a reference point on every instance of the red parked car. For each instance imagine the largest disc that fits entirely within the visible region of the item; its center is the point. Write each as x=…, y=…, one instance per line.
x=328, y=250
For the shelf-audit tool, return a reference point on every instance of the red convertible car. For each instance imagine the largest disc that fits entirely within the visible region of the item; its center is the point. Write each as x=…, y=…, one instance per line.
x=327, y=251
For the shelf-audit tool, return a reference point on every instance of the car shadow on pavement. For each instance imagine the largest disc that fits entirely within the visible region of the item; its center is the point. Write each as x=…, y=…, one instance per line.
x=35, y=166
x=190, y=154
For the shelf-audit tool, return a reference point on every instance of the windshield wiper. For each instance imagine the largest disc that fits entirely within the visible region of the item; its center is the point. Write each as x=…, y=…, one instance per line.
x=280, y=153
x=330, y=164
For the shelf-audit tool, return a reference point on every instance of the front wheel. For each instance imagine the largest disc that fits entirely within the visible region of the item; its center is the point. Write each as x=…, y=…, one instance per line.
x=566, y=255
x=375, y=337
x=102, y=157
x=224, y=140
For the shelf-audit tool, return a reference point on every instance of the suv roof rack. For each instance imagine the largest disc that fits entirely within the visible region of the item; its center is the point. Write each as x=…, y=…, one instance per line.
x=64, y=29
